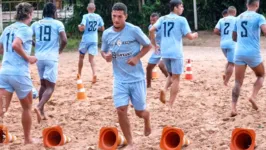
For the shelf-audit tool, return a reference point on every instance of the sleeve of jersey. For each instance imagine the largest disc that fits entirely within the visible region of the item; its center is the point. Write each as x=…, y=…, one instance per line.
x=104, y=42
x=185, y=28
x=218, y=25
x=141, y=37
x=24, y=34
x=262, y=20
x=101, y=23
x=83, y=20
x=1, y=38
x=61, y=27
x=158, y=23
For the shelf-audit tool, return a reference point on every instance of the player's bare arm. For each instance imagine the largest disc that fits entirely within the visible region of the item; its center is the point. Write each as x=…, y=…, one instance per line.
x=63, y=42
x=134, y=60
x=217, y=32
x=192, y=36
x=234, y=36
x=18, y=47
x=1, y=49
x=263, y=29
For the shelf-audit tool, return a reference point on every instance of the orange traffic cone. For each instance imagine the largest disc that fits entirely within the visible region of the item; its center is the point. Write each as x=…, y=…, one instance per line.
x=188, y=73
x=173, y=139
x=243, y=139
x=110, y=139
x=154, y=74
x=5, y=136
x=53, y=136
x=81, y=95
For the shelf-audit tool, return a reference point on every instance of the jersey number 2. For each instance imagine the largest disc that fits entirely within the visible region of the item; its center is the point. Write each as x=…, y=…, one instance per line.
x=226, y=32
x=45, y=33
x=168, y=26
x=245, y=32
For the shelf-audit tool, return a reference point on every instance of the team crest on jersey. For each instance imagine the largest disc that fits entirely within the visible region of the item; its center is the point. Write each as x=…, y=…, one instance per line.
x=118, y=42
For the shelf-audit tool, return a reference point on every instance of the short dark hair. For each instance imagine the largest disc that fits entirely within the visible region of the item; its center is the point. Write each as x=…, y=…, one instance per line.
x=22, y=11
x=231, y=9
x=225, y=12
x=251, y=2
x=155, y=15
x=120, y=7
x=49, y=10
x=174, y=3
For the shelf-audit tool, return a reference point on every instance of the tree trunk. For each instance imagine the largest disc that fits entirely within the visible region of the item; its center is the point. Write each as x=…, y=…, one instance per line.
x=1, y=18
x=139, y=2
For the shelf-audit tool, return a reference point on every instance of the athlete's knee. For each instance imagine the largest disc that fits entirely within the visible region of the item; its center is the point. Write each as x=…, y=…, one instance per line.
x=161, y=65
x=81, y=56
x=121, y=110
x=139, y=113
x=175, y=78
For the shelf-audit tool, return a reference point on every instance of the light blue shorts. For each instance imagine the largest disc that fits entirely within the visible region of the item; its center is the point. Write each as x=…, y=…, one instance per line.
x=248, y=60
x=90, y=47
x=48, y=70
x=22, y=85
x=229, y=54
x=174, y=66
x=154, y=59
x=136, y=92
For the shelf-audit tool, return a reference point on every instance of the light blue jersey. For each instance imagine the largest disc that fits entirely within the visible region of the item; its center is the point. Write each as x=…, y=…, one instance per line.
x=13, y=63
x=124, y=45
x=173, y=28
x=226, y=26
x=248, y=34
x=92, y=22
x=47, y=35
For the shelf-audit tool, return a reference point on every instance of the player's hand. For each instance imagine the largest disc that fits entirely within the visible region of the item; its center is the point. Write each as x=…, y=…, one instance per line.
x=108, y=56
x=195, y=35
x=81, y=27
x=32, y=59
x=133, y=61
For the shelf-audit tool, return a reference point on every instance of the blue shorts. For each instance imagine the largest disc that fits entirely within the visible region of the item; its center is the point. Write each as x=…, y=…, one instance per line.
x=174, y=66
x=229, y=54
x=90, y=47
x=48, y=70
x=136, y=92
x=248, y=60
x=154, y=59
x=22, y=85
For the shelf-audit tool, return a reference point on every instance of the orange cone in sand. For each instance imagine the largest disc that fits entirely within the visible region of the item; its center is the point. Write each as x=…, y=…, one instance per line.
x=110, y=139
x=173, y=139
x=154, y=74
x=53, y=136
x=81, y=94
x=188, y=73
x=243, y=139
x=5, y=136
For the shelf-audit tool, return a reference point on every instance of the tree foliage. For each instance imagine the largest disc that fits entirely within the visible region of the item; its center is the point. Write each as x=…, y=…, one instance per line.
x=209, y=11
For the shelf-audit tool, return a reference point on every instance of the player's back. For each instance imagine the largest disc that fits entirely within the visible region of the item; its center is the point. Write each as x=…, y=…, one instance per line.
x=227, y=26
x=92, y=22
x=47, y=35
x=13, y=63
x=248, y=33
x=173, y=28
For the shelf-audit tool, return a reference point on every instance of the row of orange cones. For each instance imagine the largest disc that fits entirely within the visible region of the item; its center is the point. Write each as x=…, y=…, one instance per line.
x=109, y=139
x=188, y=73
